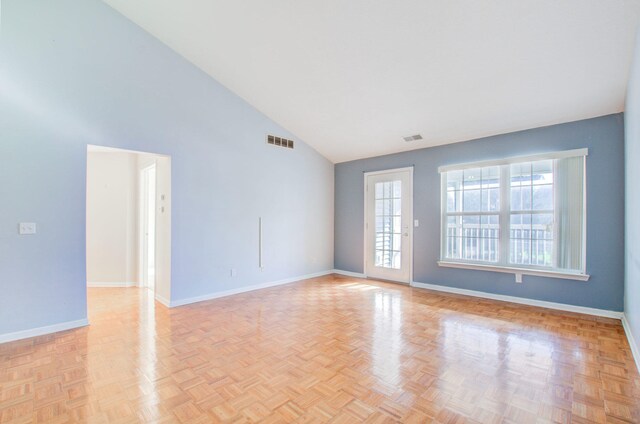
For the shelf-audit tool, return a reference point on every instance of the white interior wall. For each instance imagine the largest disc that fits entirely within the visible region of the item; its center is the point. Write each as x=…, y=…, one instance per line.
x=112, y=219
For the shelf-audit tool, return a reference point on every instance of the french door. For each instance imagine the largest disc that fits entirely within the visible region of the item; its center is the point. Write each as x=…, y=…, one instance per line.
x=389, y=224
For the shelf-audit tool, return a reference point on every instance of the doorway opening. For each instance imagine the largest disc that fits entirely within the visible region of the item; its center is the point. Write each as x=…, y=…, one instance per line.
x=128, y=224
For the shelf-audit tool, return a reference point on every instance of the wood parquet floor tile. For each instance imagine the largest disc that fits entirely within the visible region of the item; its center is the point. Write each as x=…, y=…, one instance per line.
x=326, y=350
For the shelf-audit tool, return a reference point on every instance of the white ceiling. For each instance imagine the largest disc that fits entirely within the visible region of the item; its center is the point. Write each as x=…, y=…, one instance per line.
x=351, y=77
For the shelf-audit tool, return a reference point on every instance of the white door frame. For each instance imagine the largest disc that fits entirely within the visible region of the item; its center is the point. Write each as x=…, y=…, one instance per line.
x=144, y=186
x=366, y=246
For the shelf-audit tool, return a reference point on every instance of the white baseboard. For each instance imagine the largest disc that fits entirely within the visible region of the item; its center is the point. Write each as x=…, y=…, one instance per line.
x=349, y=273
x=41, y=331
x=112, y=284
x=181, y=302
x=635, y=348
x=522, y=301
x=163, y=300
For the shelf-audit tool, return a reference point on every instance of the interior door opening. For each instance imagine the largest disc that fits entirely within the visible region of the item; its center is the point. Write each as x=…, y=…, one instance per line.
x=129, y=223
x=389, y=225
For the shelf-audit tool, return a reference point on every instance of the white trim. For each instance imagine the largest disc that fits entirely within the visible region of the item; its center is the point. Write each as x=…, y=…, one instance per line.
x=163, y=300
x=143, y=215
x=516, y=271
x=635, y=347
x=112, y=284
x=523, y=301
x=107, y=149
x=389, y=171
x=181, y=302
x=515, y=159
x=41, y=331
x=348, y=273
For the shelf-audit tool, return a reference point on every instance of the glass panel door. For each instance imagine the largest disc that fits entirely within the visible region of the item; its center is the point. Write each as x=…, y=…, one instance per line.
x=388, y=225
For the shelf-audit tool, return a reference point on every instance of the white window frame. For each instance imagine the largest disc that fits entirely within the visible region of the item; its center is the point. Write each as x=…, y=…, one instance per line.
x=504, y=216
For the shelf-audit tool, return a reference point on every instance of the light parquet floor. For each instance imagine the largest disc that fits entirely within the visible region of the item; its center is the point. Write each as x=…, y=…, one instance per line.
x=332, y=349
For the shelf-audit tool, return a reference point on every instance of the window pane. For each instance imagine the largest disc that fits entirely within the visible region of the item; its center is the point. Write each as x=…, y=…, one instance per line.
x=520, y=250
x=396, y=223
x=472, y=178
x=452, y=205
x=473, y=238
x=543, y=197
x=490, y=234
x=454, y=226
x=531, y=239
x=379, y=190
x=520, y=198
x=471, y=201
x=453, y=234
x=542, y=172
x=470, y=235
x=387, y=190
x=490, y=200
x=491, y=177
x=397, y=241
x=388, y=239
x=397, y=206
x=542, y=226
x=397, y=189
x=454, y=180
x=396, y=260
x=520, y=174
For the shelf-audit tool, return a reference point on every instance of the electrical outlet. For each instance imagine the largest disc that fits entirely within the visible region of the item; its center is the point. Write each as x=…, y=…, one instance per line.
x=25, y=228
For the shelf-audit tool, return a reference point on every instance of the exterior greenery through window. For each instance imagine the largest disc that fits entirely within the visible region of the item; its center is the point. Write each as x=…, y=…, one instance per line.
x=523, y=213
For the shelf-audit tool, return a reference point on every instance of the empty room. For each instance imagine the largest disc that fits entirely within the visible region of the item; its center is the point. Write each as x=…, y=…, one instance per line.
x=320, y=211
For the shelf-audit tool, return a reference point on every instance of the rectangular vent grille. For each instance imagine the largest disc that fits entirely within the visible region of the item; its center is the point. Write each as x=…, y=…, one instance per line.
x=279, y=141
x=412, y=137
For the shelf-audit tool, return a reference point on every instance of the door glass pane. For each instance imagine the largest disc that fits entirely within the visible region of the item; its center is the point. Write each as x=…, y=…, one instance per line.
x=388, y=241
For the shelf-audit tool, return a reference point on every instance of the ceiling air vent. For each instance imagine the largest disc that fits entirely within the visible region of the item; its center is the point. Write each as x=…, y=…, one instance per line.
x=412, y=138
x=279, y=141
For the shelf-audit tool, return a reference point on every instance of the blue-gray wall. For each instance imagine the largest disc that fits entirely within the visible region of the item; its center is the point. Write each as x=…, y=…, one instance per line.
x=632, y=198
x=603, y=136
x=75, y=72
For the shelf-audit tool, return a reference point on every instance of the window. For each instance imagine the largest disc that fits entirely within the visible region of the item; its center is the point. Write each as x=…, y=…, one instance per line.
x=388, y=229
x=523, y=215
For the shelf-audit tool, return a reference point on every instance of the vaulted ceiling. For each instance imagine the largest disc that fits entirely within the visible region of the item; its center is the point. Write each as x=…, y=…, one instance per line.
x=352, y=77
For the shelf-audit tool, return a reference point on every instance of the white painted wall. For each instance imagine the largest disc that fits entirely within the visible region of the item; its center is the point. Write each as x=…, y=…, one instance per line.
x=632, y=203
x=112, y=219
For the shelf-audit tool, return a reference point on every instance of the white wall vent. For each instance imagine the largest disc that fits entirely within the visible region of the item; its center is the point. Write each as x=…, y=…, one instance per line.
x=279, y=141
x=412, y=138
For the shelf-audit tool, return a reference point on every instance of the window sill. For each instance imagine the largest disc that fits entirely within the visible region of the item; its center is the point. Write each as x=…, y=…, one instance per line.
x=519, y=272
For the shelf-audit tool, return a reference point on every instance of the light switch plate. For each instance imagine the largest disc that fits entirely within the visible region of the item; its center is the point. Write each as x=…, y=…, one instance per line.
x=25, y=228
x=416, y=223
